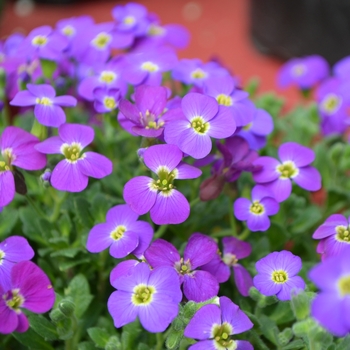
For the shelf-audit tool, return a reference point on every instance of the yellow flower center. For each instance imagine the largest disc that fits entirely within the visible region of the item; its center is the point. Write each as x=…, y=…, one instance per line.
x=279, y=276
x=14, y=300
x=110, y=103
x=2, y=256
x=107, y=77
x=343, y=234
x=198, y=74
x=298, y=70
x=247, y=127
x=331, y=103
x=257, y=208
x=165, y=180
x=101, y=40
x=43, y=101
x=129, y=20
x=3, y=166
x=221, y=335
x=118, y=233
x=287, y=170
x=224, y=100
x=149, y=67
x=72, y=152
x=39, y=40
x=68, y=30
x=155, y=30
x=199, y=125
x=143, y=295
x=344, y=285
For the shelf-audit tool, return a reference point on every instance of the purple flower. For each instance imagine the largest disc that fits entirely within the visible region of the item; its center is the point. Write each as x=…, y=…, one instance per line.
x=277, y=275
x=44, y=43
x=47, y=108
x=152, y=295
x=200, y=119
x=148, y=67
x=17, y=150
x=106, y=100
x=213, y=326
x=342, y=68
x=166, y=204
x=197, y=285
x=333, y=104
x=145, y=117
x=304, y=72
x=12, y=250
x=223, y=89
x=72, y=173
x=334, y=234
x=277, y=176
x=29, y=289
x=106, y=76
x=257, y=211
x=233, y=251
x=194, y=71
x=257, y=130
x=331, y=306
x=122, y=233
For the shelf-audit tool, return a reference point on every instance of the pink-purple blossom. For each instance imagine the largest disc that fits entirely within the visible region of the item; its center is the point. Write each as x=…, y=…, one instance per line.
x=72, y=173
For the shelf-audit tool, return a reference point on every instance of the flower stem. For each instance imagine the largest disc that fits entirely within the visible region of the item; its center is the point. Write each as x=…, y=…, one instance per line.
x=31, y=202
x=160, y=341
x=159, y=233
x=194, y=202
x=244, y=235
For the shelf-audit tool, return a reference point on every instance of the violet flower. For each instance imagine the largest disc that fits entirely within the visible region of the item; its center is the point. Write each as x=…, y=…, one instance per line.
x=145, y=117
x=152, y=295
x=213, y=325
x=72, y=173
x=304, y=72
x=200, y=119
x=342, y=68
x=47, y=108
x=257, y=211
x=233, y=251
x=12, y=250
x=122, y=233
x=17, y=150
x=276, y=176
x=256, y=131
x=198, y=285
x=331, y=305
x=166, y=204
x=334, y=234
x=44, y=43
x=277, y=275
x=29, y=289
x=223, y=89
x=106, y=100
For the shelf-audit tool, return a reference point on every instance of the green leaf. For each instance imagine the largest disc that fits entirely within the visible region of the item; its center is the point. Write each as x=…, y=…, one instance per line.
x=114, y=344
x=48, y=67
x=81, y=207
x=65, y=265
x=307, y=218
x=43, y=327
x=68, y=252
x=282, y=313
x=31, y=225
x=300, y=304
x=86, y=345
x=344, y=344
x=173, y=339
x=295, y=344
x=32, y=340
x=7, y=225
x=79, y=291
x=143, y=346
x=100, y=206
x=99, y=336
x=269, y=329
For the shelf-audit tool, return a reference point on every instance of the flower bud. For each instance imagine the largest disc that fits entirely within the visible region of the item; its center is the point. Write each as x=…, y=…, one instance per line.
x=66, y=307
x=45, y=177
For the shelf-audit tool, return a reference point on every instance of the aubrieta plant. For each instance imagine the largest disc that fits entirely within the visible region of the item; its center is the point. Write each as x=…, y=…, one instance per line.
x=149, y=202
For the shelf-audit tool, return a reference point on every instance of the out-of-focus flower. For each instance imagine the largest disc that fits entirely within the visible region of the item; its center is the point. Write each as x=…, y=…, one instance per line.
x=304, y=72
x=233, y=251
x=223, y=89
x=29, y=289
x=331, y=306
x=334, y=234
x=152, y=295
x=198, y=285
x=277, y=275
x=166, y=204
x=277, y=176
x=213, y=325
x=106, y=100
x=47, y=108
x=200, y=119
x=72, y=173
x=122, y=233
x=17, y=150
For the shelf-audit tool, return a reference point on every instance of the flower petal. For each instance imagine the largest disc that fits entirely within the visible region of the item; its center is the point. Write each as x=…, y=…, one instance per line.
x=78, y=133
x=162, y=253
x=280, y=188
x=7, y=188
x=99, y=237
x=95, y=165
x=198, y=105
x=222, y=125
x=258, y=222
x=268, y=171
x=125, y=245
x=186, y=171
x=122, y=215
x=241, y=209
x=243, y=279
x=23, y=99
x=295, y=284
x=265, y=285
x=53, y=115
x=196, y=145
x=145, y=232
x=52, y=145
x=300, y=155
x=308, y=178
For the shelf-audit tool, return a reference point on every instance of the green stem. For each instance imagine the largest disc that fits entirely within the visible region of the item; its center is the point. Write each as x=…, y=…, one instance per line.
x=223, y=233
x=194, y=202
x=160, y=341
x=244, y=235
x=57, y=208
x=232, y=220
x=31, y=202
x=159, y=233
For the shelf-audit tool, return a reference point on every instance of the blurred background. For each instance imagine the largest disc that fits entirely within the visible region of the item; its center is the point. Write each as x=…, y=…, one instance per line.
x=229, y=30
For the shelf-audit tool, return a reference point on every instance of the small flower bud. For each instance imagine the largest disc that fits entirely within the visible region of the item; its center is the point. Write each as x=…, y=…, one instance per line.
x=45, y=177
x=56, y=315
x=211, y=188
x=66, y=307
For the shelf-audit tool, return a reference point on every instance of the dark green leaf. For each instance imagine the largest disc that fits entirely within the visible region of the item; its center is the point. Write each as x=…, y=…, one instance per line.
x=43, y=327
x=32, y=340
x=99, y=336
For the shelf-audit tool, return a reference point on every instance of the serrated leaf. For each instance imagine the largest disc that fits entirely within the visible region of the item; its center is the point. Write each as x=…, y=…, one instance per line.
x=32, y=340
x=79, y=291
x=43, y=327
x=99, y=336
